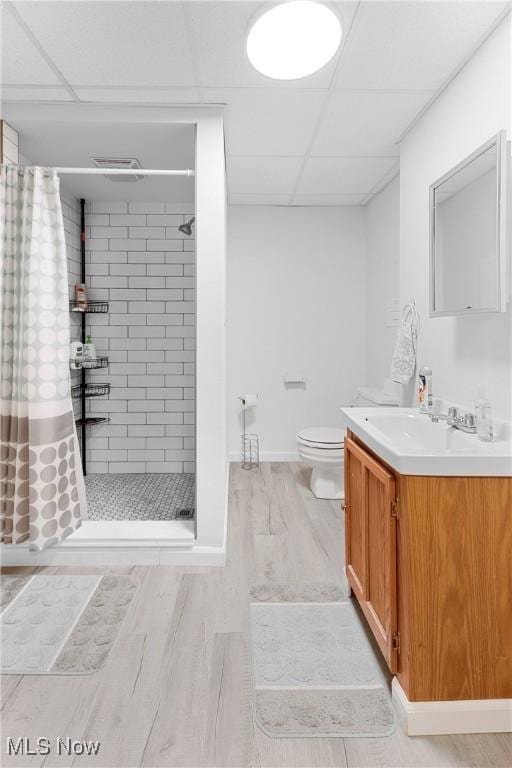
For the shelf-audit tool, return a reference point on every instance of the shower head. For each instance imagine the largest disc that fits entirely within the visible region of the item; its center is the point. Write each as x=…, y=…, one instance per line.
x=187, y=227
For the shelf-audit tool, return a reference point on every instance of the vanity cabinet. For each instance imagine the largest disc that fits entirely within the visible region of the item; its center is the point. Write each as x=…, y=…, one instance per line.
x=429, y=560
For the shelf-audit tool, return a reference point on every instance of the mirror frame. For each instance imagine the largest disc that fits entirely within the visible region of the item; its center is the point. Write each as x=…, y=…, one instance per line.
x=502, y=227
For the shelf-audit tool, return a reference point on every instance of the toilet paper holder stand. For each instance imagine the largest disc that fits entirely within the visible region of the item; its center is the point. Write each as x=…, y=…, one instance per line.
x=250, y=447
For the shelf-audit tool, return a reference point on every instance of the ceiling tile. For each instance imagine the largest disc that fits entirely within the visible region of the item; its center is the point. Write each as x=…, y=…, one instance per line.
x=327, y=199
x=113, y=43
x=21, y=62
x=140, y=95
x=395, y=56
x=366, y=123
x=259, y=199
x=414, y=45
x=343, y=175
x=276, y=175
x=41, y=93
x=268, y=121
x=218, y=33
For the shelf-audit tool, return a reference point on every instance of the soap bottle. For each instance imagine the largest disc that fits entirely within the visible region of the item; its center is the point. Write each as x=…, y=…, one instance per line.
x=425, y=397
x=89, y=349
x=76, y=353
x=483, y=415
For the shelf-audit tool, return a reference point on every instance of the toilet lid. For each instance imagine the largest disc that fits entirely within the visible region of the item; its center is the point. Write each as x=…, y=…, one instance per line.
x=322, y=435
x=372, y=396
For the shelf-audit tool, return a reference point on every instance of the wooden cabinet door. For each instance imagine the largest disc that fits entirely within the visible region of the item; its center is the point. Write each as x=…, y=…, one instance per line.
x=370, y=495
x=356, y=525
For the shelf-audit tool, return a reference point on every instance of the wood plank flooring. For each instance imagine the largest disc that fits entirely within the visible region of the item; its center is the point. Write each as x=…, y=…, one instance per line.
x=176, y=691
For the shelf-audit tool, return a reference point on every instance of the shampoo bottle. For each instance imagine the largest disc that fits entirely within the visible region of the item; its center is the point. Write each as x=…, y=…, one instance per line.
x=89, y=349
x=76, y=352
x=80, y=298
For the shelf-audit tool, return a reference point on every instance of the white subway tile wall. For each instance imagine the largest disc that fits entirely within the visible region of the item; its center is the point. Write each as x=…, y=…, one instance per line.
x=71, y=216
x=138, y=261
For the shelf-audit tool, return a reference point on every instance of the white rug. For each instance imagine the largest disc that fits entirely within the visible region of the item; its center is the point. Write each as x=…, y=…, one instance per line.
x=298, y=592
x=315, y=672
x=60, y=624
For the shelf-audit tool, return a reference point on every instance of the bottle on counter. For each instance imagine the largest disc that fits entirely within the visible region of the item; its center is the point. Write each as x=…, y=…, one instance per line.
x=483, y=415
x=425, y=395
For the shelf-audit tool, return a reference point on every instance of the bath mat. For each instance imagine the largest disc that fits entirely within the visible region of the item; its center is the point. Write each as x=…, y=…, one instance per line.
x=9, y=588
x=315, y=672
x=298, y=592
x=327, y=713
x=56, y=625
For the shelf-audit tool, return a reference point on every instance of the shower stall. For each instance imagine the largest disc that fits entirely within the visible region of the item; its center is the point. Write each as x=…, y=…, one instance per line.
x=149, y=395
x=134, y=396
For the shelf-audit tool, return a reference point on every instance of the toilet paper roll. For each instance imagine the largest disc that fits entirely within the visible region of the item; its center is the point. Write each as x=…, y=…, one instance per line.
x=249, y=400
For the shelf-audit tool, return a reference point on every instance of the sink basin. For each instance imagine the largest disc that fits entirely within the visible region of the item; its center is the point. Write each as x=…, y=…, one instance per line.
x=413, y=445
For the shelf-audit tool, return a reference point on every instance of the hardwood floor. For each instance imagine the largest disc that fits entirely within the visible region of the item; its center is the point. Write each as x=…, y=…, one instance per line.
x=176, y=691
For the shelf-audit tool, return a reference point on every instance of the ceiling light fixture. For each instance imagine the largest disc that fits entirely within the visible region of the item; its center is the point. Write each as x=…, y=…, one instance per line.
x=293, y=40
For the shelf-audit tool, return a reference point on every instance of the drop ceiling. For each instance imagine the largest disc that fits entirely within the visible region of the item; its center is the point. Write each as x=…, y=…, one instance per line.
x=329, y=139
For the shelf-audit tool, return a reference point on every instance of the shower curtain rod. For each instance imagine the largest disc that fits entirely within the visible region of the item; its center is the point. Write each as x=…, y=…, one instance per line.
x=127, y=171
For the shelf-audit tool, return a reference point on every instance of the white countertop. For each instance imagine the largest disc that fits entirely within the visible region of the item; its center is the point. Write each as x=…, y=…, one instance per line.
x=409, y=442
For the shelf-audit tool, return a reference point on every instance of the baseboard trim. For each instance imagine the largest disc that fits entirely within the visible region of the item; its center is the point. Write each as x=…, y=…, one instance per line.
x=126, y=542
x=114, y=554
x=236, y=457
x=429, y=718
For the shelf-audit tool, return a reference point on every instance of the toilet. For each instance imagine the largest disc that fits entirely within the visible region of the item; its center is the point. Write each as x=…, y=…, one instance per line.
x=322, y=449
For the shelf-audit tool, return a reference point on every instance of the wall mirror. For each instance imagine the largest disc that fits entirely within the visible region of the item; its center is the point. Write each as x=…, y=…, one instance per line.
x=468, y=234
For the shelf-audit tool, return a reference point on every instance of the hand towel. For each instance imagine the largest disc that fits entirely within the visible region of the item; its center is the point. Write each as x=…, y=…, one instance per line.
x=403, y=362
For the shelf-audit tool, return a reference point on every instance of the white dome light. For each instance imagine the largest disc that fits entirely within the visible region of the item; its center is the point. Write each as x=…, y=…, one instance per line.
x=294, y=40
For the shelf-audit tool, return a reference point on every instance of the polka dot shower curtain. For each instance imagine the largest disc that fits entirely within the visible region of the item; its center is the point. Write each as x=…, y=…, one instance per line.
x=42, y=487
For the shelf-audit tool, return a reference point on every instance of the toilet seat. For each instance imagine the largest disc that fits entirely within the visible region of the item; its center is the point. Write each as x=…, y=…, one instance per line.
x=326, y=438
x=322, y=448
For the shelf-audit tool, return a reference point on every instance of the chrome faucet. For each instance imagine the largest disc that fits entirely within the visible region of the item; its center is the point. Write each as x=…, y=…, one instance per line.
x=436, y=416
x=454, y=418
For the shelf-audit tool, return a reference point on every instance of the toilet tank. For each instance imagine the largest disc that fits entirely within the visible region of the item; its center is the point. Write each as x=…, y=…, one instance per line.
x=389, y=395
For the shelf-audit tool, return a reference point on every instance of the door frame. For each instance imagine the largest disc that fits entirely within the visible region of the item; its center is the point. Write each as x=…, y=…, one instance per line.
x=212, y=469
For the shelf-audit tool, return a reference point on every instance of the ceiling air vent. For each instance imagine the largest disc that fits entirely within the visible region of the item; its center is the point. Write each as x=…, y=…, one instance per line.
x=118, y=162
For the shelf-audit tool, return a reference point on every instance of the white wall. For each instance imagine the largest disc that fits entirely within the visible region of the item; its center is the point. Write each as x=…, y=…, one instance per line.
x=211, y=435
x=296, y=305
x=382, y=228
x=465, y=352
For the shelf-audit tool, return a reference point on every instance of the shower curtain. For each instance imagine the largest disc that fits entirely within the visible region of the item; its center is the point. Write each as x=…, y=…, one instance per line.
x=42, y=494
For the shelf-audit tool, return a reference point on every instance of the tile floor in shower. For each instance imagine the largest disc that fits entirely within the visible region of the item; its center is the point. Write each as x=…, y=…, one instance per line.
x=140, y=496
